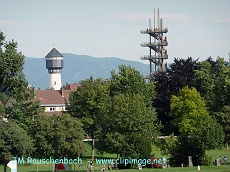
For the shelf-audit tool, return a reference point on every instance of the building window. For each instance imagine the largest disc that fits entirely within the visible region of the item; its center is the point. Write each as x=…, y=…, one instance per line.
x=52, y=108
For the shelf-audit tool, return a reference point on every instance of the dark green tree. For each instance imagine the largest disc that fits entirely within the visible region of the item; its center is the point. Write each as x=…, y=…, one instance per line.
x=179, y=74
x=14, y=142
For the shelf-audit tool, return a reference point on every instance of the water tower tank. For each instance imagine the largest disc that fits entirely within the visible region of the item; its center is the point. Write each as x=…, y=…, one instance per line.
x=54, y=64
x=54, y=61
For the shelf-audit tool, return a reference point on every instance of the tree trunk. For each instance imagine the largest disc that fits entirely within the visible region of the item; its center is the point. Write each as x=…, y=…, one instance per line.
x=36, y=167
x=5, y=167
x=93, y=148
x=55, y=167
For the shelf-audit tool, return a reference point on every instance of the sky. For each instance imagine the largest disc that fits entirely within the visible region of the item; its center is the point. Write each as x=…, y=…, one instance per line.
x=111, y=28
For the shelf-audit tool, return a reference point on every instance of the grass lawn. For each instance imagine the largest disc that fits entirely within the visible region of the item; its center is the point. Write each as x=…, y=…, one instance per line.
x=47, y=168
x=97, y=167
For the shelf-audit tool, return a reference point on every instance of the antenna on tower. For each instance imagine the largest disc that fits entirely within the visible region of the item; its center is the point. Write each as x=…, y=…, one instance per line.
x=53, y=44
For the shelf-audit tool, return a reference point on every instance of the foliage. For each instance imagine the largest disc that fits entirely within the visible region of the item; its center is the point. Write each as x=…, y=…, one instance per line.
x=18, y=106
x=131, y=117
x=17, y=99
x=205, y=82
x=166, y=145
x=179, y=74
x=24, y=111
x=184, y=147
x=117, y=111
x=223, y=118
x=128, y=120
x=14, y=142
x=12, y=79
x=211, y=79
x=198, y=130
x=89, y=102
x=2, y=110
x=129, y=81
x=207, y=160
x=3, y=98
x=58, y=136
x=213, y=82
x=186, y=108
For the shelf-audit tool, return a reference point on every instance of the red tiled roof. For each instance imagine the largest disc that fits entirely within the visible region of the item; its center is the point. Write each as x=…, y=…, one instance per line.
x=71, y=87
x=48, y=97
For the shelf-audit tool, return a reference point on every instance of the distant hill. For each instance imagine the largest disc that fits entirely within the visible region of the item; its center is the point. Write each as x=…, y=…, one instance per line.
x=77, y=68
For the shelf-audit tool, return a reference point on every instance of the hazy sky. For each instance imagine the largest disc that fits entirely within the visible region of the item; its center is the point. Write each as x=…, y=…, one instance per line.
x=111, y=28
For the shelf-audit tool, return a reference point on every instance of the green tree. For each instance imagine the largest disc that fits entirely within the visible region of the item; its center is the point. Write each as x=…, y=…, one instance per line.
x=12, y=79
x=58, y=137
x=186, y=108
x=196, y=127
x=131, y=116
x=24, y=110
x=213, y=83
x=118, y=111
x=2, y=110
x=205, y=82
x=223, y=118
x=167, y=144
x=186, y=146
x=89, y=103
x=128, y=122
x=15, y=95
x=129, y=81
x=14, y=142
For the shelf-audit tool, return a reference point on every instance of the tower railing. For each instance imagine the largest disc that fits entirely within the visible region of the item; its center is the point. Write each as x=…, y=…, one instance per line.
x=152, y=57
x=156, y=30
x=150, y=44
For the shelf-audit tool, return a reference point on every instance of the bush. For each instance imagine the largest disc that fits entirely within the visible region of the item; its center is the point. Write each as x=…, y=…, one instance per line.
x=184, y=147
x=206, y=160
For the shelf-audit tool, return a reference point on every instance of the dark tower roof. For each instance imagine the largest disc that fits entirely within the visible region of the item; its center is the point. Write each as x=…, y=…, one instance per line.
x=54, y=53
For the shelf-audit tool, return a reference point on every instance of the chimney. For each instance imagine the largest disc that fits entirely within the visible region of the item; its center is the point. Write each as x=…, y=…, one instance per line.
x=33, y=90
x=62, y=91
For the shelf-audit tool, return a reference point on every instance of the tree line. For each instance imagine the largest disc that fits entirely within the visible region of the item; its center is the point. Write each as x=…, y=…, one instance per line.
x=125, y=112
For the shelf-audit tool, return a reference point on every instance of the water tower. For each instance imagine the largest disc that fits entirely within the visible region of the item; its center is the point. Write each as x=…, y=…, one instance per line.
x=54, y=64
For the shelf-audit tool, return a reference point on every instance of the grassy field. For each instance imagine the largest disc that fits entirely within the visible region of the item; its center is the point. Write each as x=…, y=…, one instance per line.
x=47, y=168
x=97, y=167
